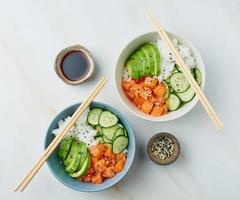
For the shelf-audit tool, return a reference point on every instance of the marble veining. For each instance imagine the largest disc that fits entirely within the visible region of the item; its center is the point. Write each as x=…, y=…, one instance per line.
x=31, y=35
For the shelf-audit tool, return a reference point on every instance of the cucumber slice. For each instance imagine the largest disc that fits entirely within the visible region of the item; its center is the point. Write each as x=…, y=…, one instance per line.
x=167, y=80
x=178, y=82
x=187, y=95
x=173, y=102
x=107, y=119
x=106, y=140
x=119, y=144
x=175, y=70
x=93, y=116
x=99, y=130
x=118, y=132
x=109, y=132
x=198, y=76
x=193, y=73
x=167, y=92
x=125, y=132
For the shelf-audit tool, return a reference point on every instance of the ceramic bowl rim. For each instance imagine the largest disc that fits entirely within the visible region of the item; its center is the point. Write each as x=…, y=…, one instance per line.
x=175, y=114
x=126, y=170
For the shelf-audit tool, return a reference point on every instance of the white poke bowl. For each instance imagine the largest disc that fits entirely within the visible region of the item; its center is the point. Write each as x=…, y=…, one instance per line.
x=129, y=49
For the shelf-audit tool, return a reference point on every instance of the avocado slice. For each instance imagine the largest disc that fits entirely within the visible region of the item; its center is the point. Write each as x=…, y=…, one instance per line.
x=83, y=156
x=156, y=56
x=83, y=170
x=74, y=149
x=64, y=148
x=137, y=56
x=150, y=56
x=75, y=162
x=132, y=68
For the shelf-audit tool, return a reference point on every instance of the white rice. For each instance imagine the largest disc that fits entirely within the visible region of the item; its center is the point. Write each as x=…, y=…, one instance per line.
x=80, y=130
x=167, y=63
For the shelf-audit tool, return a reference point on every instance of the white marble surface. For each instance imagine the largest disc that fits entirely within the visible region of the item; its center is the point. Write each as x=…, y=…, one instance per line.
x=32, y=33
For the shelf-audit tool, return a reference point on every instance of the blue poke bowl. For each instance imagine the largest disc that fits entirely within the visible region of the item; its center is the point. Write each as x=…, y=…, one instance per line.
x=57, y=168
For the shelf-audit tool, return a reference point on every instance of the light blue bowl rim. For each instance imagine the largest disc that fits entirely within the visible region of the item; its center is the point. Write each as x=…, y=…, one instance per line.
x=126, y=168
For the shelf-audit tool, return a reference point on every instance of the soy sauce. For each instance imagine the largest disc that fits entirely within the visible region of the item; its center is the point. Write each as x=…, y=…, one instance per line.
x=75, y=65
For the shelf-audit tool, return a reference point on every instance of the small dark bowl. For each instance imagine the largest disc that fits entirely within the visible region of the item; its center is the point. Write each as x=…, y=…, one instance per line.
x=174, y=155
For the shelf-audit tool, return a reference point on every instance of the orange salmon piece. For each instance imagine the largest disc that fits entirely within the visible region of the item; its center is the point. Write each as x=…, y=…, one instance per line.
x=157, y=111
x=97, y=179
x=109, y=172
x=119, y=166
x=150, y=82
x=126, y=85
x=147, y=107
x=160, y=90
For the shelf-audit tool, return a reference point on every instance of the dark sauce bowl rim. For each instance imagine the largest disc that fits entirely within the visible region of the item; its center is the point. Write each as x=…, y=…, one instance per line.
x=62, y=54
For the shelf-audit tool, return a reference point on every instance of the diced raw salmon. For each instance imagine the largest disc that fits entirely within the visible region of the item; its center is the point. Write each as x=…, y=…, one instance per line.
x=119, y=166
x=158, y=101
x=128, y=84
x=96, y=151
x=146, y=93
x=136, y=89
x=150, y=82
x=160, y=90
x=109, y=153
x=109, y=172
x=165, y=109
x=129, y=95
x=121, y=156
x=138, y=101
x=97, y=179
x=147, y=107
x=157, y=111
x=100, y=165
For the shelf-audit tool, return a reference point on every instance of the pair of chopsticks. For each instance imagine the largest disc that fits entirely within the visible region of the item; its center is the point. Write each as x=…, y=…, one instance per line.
x=48, y=151
x=209, y=109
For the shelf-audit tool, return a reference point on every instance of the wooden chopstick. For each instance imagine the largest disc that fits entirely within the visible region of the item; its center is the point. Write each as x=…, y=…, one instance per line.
x=61, y=135
x=209, y=109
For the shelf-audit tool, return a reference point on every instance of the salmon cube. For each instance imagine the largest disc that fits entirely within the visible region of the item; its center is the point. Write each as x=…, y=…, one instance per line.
x=121, y=156
x=138, y=101
x=97, y=179
x=100, y=165
x=129, y=95
x=160, y=90
x=127, y=84
x=110, y=154
x=136, y=89
x=146, y=93
x=147, y=107
x=96, y=151
x=157, y=111
x=150, y=82
x=119, y=166
x=109, y=172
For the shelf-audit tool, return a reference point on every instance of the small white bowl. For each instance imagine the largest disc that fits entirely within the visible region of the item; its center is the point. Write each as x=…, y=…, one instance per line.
x=131, y=47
